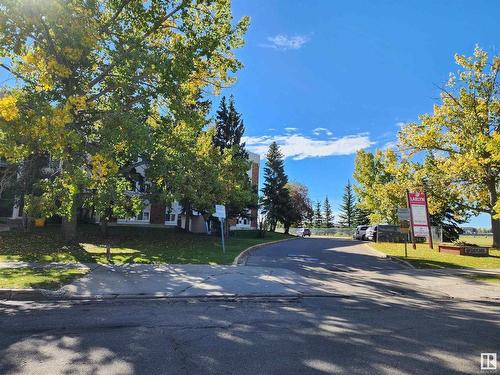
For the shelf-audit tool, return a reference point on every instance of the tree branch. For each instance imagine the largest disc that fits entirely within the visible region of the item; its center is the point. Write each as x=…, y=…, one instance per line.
x=105, y=27
x=108, y=69
x=15, y=74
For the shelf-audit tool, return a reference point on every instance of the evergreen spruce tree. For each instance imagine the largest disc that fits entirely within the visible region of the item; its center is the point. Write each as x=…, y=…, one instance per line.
x=318, y=216
x=276, y=198
x=229, y=127
x=327, y=208
x=361, y=216
x=347, y=216
x=229, y=130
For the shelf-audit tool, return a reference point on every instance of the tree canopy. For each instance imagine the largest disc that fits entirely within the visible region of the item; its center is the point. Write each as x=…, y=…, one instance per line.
x=299, y=207
x=95, y=81
x=462, y=136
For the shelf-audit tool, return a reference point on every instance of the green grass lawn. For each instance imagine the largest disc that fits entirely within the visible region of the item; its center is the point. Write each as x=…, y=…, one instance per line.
x=423, y=257
x=37, y=278
x=128, y=245
x=477, y=240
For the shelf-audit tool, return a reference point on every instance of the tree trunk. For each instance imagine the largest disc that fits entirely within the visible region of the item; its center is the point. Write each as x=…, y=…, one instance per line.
x=104, y=227
x=105, y=221
x=495, y=223
x=272, y=227
x=69, y=226
x=188, y=218
x=495, y=228
x=287, y=228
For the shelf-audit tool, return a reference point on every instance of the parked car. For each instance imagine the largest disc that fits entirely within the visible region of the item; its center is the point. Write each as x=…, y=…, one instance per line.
x=386, y=233
x=302, y=232
x=360, y=231
x=371, y=233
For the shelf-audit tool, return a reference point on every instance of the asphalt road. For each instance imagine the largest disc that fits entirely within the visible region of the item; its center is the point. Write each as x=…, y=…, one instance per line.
x=334, y=255
x=357, y=334
x=277, y=336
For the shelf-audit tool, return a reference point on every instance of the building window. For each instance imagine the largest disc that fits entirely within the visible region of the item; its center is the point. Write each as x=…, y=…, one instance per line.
x=170, y=217
x=143, y=216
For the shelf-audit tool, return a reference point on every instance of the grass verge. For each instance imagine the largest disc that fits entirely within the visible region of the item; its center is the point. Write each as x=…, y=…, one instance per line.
x=423, y=257
x=128, y=245
x=51, y=278
x=478, y=240
x=489, y=278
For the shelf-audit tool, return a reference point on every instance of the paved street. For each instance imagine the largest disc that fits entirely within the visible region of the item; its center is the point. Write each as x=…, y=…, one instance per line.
x=331, y=335
x=330, y=254
x=349, y=311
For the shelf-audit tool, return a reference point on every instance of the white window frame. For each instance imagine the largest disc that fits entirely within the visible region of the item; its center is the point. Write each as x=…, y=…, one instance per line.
x=135, y=220
x=168, y=212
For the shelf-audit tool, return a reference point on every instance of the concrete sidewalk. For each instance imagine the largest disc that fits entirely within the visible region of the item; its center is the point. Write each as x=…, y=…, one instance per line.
x=180, y=281
x=150, y=281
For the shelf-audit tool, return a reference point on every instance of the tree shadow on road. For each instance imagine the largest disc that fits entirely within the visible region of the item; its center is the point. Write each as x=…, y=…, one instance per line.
x=323, y=335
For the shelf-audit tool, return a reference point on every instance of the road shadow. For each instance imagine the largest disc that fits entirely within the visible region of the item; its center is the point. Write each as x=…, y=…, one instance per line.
x=403, y=334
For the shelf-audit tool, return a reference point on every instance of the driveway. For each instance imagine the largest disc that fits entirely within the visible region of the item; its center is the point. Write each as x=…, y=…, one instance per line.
x=327, y=254
x=347, y=267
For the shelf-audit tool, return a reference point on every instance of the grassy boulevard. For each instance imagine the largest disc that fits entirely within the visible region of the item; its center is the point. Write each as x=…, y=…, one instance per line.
x=128, y=245
x=423, y=257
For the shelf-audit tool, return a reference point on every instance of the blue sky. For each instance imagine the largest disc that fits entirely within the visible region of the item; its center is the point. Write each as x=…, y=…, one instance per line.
x=325, y=78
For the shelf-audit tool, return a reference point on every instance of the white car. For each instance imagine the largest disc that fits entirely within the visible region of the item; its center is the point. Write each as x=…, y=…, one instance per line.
x=302, y=232
x=360, y=232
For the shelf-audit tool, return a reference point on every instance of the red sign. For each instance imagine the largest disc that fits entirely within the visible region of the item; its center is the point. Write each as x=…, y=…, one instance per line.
x=419, y=215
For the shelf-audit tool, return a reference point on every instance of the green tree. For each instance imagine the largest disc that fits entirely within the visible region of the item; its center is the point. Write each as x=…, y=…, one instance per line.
x=347, y=215
x=463, y=136
x=327, y=208
x=93, y=77
x=382, y=179
x=318, y=215
x=381, y=183
x=229, y=127
x=361, y=215
x=299, y=206
x=275, y=200
x=229, y=130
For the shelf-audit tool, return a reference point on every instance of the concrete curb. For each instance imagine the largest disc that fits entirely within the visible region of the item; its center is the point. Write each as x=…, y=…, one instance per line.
x=402, y=261
x=380, y=254
x=393, y=258
x=240, y=260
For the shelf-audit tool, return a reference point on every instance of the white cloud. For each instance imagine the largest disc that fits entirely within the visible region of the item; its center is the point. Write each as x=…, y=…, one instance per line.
x=400, y=124
x=318, y=131
x=285, y=42
x=298, y=146
x=291, y=130
x=390, y=144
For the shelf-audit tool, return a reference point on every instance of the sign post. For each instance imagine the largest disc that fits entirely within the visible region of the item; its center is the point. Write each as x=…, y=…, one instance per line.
x=404, y=225
x=419, y=216
x=220, y=212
